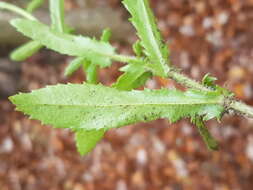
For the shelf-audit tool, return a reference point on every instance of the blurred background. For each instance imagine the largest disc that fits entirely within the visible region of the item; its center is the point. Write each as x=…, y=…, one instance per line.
x=212, y=36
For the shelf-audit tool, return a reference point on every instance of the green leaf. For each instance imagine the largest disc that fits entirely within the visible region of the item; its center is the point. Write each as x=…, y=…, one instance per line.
x=57, y=18
x=137, y=48
x=74, y=65
x=89, y=69
x=145, y=24
x=211, y=143
x=106, y=35
x=25, y=51
x=87, y=140
x=209, y=81
x=129, y=80
x=97, y=52
x=91, y=72
x=142, y=80
x=33, y=5
x=57, y=15
x=94, y=107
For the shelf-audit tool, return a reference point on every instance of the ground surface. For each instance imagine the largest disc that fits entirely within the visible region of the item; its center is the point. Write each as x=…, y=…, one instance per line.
x=205, y=36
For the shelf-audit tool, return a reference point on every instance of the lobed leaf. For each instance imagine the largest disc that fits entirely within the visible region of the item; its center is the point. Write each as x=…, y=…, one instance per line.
x=95, y=107
x=79, y=46
x=145, y=24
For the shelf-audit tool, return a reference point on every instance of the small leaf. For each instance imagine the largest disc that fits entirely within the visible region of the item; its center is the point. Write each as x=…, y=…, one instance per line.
x=211, y=143
x=87, y=140
x=137, y=48
x=128, y=80
x=106, y=35
x=142, y=80
x=25, y=51
x=91, y=72
x=95, y=107
x=33, y=5
x=97, y=52
x=74, y=66
x=145, y=24
x=209, y=81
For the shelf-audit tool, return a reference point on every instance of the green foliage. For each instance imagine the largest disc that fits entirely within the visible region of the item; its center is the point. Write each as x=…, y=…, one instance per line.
x=89, y=109
x=87, y=140
x=57, y=18
x=74, y=65
x=144, y=22
x=91, y=72
x=138, y=48
x=89, y=66
x=25, y=51
x=135, y=76
x=33, y=5
x=207, y=137
x=57, y=15
x=65, y=43
x=95, y=107
x=209, y=81
x=17, y=10
x=106, y=35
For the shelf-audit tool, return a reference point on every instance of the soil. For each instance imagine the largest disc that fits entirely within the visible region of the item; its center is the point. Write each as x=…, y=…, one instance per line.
x=213, y=36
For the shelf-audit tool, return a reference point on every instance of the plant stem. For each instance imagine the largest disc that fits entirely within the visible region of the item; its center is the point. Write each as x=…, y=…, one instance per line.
x=173, y=74
x=186, y=81
x=124, y=58
x=237, y=106
x=13, y=8
x=242, y=108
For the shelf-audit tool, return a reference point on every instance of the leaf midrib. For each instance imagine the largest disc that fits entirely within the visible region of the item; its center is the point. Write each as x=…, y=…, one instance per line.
x=150, y=32
x=129, y=105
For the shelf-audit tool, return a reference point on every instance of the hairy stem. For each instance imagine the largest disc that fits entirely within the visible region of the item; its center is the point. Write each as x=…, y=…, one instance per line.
x=124, y=58
x=13, y=8
x=186, y=81
x=237, y=106
x=241, y=108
